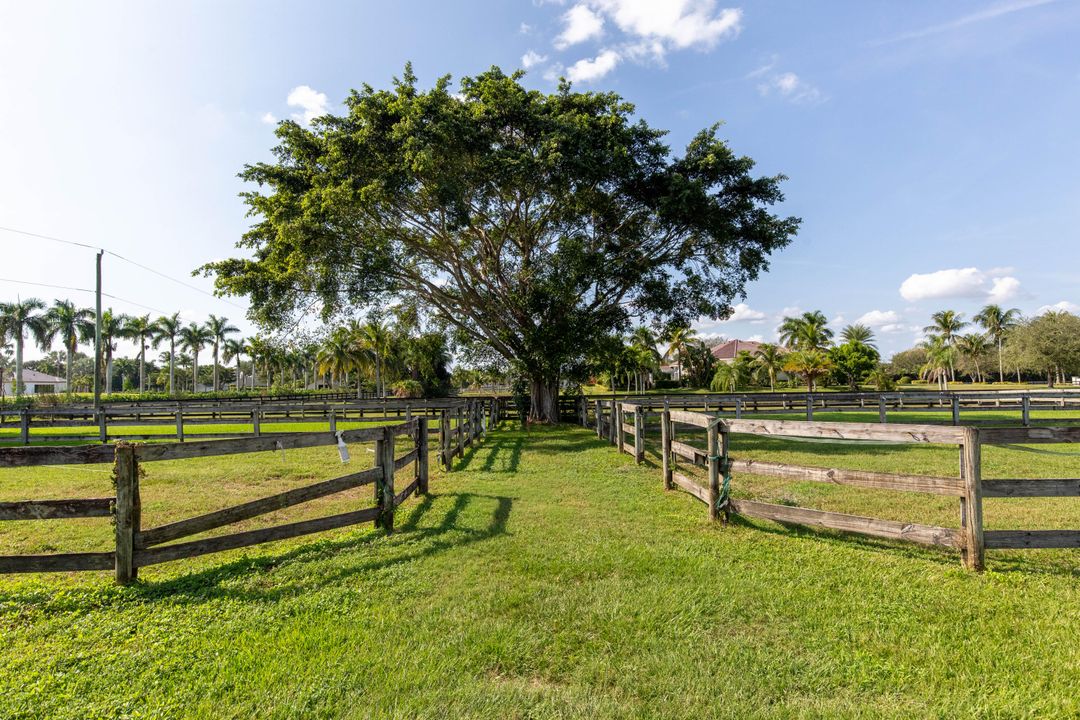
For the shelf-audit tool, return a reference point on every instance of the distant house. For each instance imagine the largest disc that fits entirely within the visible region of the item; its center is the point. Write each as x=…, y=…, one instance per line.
x=728, y=351
x=35, y=383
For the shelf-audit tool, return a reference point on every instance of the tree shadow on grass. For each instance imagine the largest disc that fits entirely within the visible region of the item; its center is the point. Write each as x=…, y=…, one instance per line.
x=502, y=449
x=410, y=542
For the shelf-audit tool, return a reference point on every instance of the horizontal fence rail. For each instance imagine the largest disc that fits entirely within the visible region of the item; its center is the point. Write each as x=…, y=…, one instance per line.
x=137, y=547
x=184, y=418
x=623, y=423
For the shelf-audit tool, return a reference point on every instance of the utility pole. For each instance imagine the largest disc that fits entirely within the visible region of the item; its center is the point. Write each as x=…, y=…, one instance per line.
x=97, y=336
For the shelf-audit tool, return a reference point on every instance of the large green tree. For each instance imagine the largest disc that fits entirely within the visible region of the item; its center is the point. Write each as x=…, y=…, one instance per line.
x=16, y=320
x=533, y=223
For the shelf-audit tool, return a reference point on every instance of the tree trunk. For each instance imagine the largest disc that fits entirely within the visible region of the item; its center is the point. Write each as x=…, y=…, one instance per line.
x=544, y=396
x=70, y=353
x=216, y=386
x=1001, y=363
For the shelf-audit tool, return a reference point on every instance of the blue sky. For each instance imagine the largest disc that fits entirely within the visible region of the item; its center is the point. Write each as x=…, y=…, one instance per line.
x=931, y=147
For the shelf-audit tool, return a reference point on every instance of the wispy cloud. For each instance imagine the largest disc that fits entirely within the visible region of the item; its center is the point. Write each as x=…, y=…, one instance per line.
x=990, y=13
x=790, y=86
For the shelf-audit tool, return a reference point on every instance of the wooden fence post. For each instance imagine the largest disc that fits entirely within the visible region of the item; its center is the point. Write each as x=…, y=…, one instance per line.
x=24, y=426
x=256, y=418
x=881, y=412
x=639, y=434
x=1025, y=410
x=809, y=407
x=384, y=487
x=460, y=432
x=599, y=419
x=422, y=456
x=971, y=516
x=955, y=410
x=179, y=425
x=333, y=422
x=444, y=439
x=619, y=420
x=665, y=447
x=611, y=424
x=103, y=427
x=127, y=511
x=714, y=470
x=738, y=408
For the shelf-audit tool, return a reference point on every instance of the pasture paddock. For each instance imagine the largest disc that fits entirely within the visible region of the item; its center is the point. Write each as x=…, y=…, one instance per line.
x=548, y=576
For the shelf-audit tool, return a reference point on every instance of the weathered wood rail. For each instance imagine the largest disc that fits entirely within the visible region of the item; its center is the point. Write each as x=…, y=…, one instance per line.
x=136, y=546
x=951, y=405
x=116, y=422
x=968, y=486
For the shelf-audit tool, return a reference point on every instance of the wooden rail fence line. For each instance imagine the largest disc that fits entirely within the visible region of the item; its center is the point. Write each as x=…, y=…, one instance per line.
x=137, y=547
x=968, y=487
x=181, y=417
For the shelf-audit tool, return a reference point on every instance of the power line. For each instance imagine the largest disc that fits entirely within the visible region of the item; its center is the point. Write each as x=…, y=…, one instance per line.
x=85, y=290
x=125, y=259
x=48, y=237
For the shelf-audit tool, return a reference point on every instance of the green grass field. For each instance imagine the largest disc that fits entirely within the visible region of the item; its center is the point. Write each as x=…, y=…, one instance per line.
x=549, y=576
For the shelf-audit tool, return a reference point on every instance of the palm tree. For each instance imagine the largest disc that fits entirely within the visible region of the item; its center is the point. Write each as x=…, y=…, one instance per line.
x=16, y=319
x=811, y=364
x=339, y=355
x=167, y=327
x=219, y=327
x=259, y=349
x=807, y=332
x=141, y=330
x=770, y=359
x=939, y=361
x=997, y=323
x=72, y=324
x=974, y=346
x=235, y=348
x=643, y=341
x=193, y=338
x=947, y=324
x=112, y=327
x=679, y=341
x=374, y=335
x=734, y=375
x=858, y=333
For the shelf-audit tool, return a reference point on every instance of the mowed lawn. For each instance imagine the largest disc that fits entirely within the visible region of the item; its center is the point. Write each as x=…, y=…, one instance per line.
x=548, y=576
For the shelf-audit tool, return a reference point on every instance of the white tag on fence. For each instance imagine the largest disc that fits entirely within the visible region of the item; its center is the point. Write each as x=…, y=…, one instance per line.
x=343, y=449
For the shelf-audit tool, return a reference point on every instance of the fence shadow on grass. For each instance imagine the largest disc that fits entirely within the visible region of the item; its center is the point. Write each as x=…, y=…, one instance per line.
x=411, y=541
x=942, y=557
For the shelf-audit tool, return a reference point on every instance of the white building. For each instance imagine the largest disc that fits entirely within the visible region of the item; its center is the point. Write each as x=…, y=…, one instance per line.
x=35, y=382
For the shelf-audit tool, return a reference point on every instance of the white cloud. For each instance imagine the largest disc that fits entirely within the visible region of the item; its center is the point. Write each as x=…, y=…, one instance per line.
x=531, y=59
x=887, y=322
x=1063, y=306
x=269, y=119
x=312, y=104
x=744, y=313
x=877, y=318
x=677, y=23
x=581, y=24
x=990, y=13
x=525, y=28
x=756, y=338
x=789, y=86
x=586, y=70
x=647, y=30
x=969, y=282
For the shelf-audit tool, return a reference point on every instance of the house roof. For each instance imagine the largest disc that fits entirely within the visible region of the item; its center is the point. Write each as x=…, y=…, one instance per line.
x=33, y=376
x=731, y=348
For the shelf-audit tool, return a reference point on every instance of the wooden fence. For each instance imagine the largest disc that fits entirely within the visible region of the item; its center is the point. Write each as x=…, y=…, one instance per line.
x=136, y=546
x=968, y=486
x=182, y=417
x=952, y=405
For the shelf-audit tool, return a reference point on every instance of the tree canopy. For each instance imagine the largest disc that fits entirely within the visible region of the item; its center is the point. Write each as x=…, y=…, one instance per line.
x=533, y=223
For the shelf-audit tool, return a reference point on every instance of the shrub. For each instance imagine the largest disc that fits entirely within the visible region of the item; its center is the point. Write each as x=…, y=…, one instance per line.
x=407, y=389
